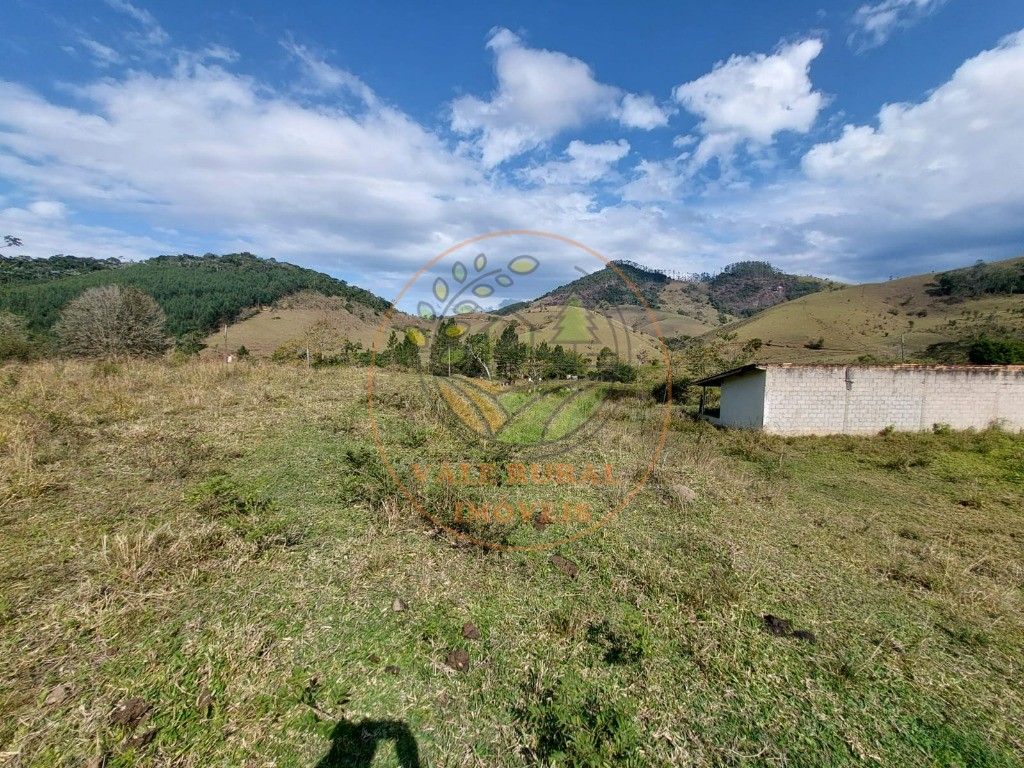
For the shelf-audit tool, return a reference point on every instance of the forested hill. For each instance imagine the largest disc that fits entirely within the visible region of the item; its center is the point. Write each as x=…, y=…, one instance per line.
x=198, y=293
x=740, y=289
x=606, y=288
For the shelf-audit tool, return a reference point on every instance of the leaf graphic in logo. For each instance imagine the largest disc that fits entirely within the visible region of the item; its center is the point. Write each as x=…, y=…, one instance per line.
x=466, y=307
x=523, y=265
x=425, y=310
x=440, y=289
x=416, y=337
x=480, y=262
x=483, y=290
x=459, y=271
x=503, y=280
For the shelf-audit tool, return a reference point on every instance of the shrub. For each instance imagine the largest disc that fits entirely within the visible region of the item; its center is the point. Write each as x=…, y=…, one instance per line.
x=110, y=321
x=996, y=352
x=16, y=341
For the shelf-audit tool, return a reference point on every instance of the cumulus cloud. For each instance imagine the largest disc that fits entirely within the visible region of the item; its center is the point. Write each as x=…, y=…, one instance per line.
x=207, y=149
x=586, y=163
x=752, y=98
x=939, y=181
x=642, y=112
x=875, y=23
x=540, y=94
x=358, y=188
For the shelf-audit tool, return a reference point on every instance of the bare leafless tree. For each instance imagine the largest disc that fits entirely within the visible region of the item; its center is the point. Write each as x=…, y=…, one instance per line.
x=112, y=321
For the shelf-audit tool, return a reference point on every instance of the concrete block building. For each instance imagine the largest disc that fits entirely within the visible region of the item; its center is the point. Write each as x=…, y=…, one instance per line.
x=799, y=399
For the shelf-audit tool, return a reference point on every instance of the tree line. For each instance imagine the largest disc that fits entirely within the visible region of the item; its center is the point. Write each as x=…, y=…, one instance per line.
x=453, y=350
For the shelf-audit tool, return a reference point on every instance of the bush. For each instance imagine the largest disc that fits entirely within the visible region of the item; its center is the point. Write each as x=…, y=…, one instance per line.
x=16, y=341
x=680, y=393
x=996, y=352
x=110, y=321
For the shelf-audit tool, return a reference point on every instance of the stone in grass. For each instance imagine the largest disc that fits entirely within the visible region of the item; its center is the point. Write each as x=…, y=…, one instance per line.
x=398, y=605
x=458, y=660
x=567, y=567
x=775, y=625
x=470, y=632
x=686, y=494
x=783, y=628
x=58, y=695
x=142, y=739
x=130, y=713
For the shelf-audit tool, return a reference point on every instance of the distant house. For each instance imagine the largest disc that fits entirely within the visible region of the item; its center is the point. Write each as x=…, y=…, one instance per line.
x=796, y=399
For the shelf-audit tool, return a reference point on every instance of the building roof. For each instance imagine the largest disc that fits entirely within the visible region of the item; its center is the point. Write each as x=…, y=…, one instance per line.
x=718, y=378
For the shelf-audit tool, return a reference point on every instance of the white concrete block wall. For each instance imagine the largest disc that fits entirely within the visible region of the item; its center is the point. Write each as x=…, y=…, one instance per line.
x=828, y=399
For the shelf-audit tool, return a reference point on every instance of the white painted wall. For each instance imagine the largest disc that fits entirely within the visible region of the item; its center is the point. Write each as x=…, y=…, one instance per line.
x=829, y=399
x=743, y=400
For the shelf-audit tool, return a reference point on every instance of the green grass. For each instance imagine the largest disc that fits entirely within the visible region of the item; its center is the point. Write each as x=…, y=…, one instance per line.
x=555, y=412
x=227, y=544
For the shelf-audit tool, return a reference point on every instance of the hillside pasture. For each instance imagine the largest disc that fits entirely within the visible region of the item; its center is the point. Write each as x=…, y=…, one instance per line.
x=210, y=565
x=872, y=319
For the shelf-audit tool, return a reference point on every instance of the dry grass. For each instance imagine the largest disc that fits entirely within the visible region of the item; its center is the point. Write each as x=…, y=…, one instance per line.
x=226, y=544
x=871, y=319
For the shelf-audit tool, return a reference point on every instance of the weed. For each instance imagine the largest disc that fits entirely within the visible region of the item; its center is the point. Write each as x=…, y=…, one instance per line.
x=222, y=495
x=578, y=724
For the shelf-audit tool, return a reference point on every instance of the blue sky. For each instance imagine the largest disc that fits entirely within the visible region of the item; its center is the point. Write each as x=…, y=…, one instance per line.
x=852, y=140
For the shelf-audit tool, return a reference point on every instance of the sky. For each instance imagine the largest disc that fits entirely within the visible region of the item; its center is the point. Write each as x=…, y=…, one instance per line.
x=850, y=140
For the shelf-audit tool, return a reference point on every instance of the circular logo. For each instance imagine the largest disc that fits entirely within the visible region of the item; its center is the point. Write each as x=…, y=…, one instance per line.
x=529, y=402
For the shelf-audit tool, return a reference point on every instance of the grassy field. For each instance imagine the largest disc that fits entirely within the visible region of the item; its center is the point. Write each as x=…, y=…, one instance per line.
x=885, y=320
x=204, y=565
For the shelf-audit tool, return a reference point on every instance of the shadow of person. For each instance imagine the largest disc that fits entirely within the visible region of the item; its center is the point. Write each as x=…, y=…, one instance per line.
x=354, y=745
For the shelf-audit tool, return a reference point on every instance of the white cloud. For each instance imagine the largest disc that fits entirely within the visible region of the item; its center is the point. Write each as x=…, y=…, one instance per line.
x=752, y=98
x=959, y=146
x=936, y=182
x=103, y=55
x=47, y=209
x=367, y=192
x=587, y=163
x=324, y=77
x=540, y=94
x=204, y=149
x=150, y=33
x=875, y=23
x=45, y=230
x=642, y=112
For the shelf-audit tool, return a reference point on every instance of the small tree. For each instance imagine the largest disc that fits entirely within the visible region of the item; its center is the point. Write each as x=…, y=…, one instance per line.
x=190, y=344
x=112, y=320
x=509, y=354
x=16, y=341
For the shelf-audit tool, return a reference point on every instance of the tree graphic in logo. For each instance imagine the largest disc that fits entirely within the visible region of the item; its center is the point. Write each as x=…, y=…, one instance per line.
x=574, y=325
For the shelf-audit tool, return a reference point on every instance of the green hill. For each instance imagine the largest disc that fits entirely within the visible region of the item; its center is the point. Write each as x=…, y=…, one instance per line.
x=606, y=288
x=198, y=293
